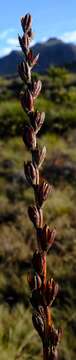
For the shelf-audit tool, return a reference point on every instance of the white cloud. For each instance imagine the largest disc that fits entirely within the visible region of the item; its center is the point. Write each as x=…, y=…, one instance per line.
x=5, y=51
x=13, y=41
x=43, y=39
x=4, y=33
x=69, y=36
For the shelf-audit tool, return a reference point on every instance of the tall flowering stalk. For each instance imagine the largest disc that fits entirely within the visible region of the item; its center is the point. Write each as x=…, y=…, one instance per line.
x=44, y=291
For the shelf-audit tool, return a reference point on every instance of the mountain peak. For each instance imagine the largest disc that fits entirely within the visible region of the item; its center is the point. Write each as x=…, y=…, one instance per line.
x=53, y=52
x=53, y=41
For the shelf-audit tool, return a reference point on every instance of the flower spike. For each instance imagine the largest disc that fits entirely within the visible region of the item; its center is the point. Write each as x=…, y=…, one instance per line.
x=43, y=291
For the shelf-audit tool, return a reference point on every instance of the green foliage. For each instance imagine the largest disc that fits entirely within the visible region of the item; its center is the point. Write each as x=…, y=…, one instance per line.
x=58, y=99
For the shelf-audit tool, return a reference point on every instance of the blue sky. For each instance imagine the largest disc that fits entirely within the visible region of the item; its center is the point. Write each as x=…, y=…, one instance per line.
x=50, y=19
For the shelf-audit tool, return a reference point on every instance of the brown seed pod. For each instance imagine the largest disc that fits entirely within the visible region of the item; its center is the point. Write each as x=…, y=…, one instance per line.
x=51, y=238
x=34, y=61
x=38, y=323
x=31, y=59
x=31, y=173
x=37, y=262
x=30, y=34
x=38, y=156
x=27, y=70
x=24, y=71
x=36, y=216
x=37, y=119
x=55, y=336
x=26, y=22
x=24, y=43
x=31, y=281
x=38, y=282
x=42, y=192
x=47, y=237
x=21, y=71
x=37, y=85
x=52, y=289
x=27, y=101
x=29, y=137
x=55, y=291
x=34, y=281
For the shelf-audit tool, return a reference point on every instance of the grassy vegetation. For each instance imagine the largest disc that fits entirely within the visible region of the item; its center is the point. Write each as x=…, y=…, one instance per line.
x=58, y=99
x=18, y=339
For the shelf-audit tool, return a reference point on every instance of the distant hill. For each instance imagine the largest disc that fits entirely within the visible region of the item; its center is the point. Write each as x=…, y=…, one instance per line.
x=52, y=52
x=9, y=63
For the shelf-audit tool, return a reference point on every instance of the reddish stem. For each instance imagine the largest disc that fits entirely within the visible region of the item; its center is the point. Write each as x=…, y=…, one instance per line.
x=44, y=268
x=49, y=317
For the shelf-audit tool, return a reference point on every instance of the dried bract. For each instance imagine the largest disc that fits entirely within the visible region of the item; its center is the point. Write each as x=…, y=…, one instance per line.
x=26, y=22
x=34, y=281
x=37, y=262
x=36, y=216
x=31, y=173
x=38, y=156
x=24, y=43
x=24, y=71
x=55, y=336
x=37, y=119
x=29, y=137
x=37, y=85
x=42, y=192
x=51, y=292
x=38, y=324
x=47, y=238
x=27, y=101
x=32, y=60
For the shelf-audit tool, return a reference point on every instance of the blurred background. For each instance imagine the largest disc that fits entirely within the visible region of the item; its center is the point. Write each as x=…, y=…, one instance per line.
x=55, y=40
